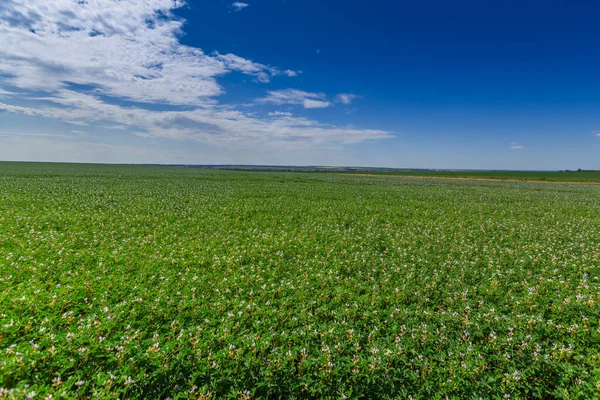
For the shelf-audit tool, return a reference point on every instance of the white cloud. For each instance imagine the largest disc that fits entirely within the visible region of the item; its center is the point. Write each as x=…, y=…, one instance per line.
x=516, y=146
x=218, y=125
x=309, y=103
x=346, y=98
x=280, y=114
x=5, y=93
x=128, y=49
x=78, y=52
x=114, y=127
x=238, y=5
x=297, y=97
x=33, y=135
x=596, y=134
x=263, y=73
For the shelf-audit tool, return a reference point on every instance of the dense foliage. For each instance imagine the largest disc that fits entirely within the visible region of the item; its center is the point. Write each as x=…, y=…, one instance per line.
x=120, y=281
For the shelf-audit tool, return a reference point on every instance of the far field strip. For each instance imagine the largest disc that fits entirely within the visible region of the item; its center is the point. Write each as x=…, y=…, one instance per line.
x=477, y=179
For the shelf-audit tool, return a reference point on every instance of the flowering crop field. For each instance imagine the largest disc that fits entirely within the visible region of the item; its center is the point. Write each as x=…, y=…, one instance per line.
x=159, y=282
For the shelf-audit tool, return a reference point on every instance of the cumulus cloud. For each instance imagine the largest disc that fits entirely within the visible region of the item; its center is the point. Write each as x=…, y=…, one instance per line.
x=128, y=49
x=296, y=97
x=346, y=98
x=238, y=5
x=80, y=60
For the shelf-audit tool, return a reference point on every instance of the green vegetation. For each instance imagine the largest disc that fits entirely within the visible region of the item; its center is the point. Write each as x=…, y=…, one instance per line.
x=156, y=282
x=578, y=176
x=562, y=176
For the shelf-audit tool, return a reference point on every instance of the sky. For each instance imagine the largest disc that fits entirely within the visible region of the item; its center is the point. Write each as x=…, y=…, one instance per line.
x=407, y=84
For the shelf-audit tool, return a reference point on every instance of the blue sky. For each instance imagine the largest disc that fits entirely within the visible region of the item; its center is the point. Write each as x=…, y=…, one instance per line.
x=431, y=84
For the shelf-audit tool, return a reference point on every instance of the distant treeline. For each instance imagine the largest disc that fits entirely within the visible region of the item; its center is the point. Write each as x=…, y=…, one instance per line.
x=582, y=170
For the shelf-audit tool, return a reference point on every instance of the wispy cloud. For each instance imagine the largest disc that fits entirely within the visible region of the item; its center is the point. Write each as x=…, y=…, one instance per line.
x=36, y=135
x=82, y=61
x=238, y=6
x=280, y=114
x=346, y=98
x=6, y=93
x=263, y=73
x=218, y=125
x=596, y=134
x=296, y=97
x=516, y=146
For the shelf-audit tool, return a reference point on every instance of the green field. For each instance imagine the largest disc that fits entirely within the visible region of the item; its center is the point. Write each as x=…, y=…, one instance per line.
x=159, y=282
x=549, y=176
